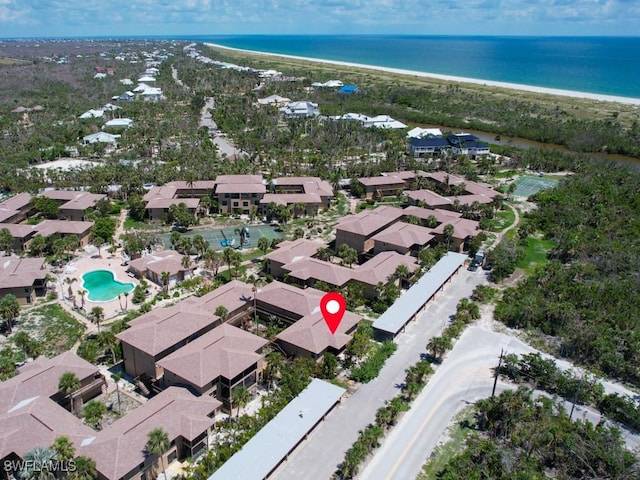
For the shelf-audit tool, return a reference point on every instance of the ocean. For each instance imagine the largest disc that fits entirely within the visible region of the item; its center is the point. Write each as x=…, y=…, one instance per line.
x=598, y=65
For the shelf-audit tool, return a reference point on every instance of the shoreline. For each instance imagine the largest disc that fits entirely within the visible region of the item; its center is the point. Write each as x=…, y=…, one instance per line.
x=448, y=78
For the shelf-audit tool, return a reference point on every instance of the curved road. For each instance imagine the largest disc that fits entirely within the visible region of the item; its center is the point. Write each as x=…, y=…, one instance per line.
x=463, y=378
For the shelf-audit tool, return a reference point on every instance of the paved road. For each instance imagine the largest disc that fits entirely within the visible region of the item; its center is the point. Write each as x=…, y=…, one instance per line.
x=319, y=457
x=224, y=147
x=463, y=378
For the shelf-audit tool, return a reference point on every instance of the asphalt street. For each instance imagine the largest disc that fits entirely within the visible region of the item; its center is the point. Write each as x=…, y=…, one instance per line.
x=319, y=456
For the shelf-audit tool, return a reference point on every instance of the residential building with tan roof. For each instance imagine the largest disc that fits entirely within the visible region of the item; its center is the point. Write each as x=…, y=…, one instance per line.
x=25, y=278
x=235, y=296
x=195, y=189
x=120, y=450
x=239, y=193
x=381, y=269
x=160, y=199
x=403, y=238
x=382, y=186
x=357, y=230
x=463, y=231
x=20, y=233
x=153, y=265
x=31, y=405
x=73, y=204
x=287, y=252
x=65, y=228
x=302, y=203
x=307, y=271
x=469, y=187
x=161, y=332
x=428, y=198
x=216, y=363
x=311, y=338
x=308, y=185
x=424, y=214
x=16, y=209
x=287, y=302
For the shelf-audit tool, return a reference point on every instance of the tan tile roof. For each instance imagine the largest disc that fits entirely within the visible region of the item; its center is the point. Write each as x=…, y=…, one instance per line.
x=424, y=213
x=239, y=179
x=462, y=228
x=162, y=328
x=298, y=301
x=232, y=296
x=382, y=266
x=158, y=262
x=122, y=446
x=290, y=198
x=197, y=185
x=382, y=181
x=41, y=377
x=65, y=227
x=431, y=198
x=240, y=188
x=471, y=187
x=16, y=202
x=312, y=268
x=18, y=272
x=225, y=351
x=312, y=334
x=404, y=235
x=309, y=184
x=470, y=199
x=190, y=203
x=166, y=191
x=288, y=251
x=365, y=223
x=74, y=200
x=37, y=422
x=18, y=230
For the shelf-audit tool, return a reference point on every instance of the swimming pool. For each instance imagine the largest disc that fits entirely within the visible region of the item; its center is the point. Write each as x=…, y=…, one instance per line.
x=102, y=286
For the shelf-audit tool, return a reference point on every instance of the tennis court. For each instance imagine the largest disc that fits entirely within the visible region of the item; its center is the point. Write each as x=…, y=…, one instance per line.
x=527, y=186
x=219, y=237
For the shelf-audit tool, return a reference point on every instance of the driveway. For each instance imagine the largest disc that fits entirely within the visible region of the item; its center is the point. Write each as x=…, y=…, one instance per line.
x=319, y=457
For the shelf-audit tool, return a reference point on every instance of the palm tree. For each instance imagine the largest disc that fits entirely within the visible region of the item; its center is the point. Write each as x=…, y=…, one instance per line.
x=69, y=281
x=186, y=262
x=402, y=273
x=64, y=448
x=438, y=346
x=116, y=378
x=263, y=244
x=236, y=261
x=227, y=254
x=93, y=413
x=9, y=310
x=82, y=292
x=164, y=278
x=324, y=254
x=448, y=231
x=85, y=469
x=97, y=316
x=157, y=444
x=126, y=300
x=200, y=244
x=222, y=312
x=37, y=464
x=240, y=397
x=69, y=383
x=212, y=261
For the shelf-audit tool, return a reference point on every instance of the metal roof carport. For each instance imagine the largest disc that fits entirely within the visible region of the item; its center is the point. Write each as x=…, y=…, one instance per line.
x=261, y=455
x=391, y=322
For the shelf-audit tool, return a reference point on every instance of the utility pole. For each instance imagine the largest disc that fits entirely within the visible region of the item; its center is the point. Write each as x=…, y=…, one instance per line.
x=495, y=377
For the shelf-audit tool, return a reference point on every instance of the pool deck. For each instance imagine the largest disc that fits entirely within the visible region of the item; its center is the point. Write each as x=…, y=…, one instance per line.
x=85, y=263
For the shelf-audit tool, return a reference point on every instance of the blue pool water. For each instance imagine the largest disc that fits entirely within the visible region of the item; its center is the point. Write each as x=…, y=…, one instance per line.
x=102, y=286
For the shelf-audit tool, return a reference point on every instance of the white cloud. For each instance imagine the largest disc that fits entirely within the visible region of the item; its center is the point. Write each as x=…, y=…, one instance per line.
x=82, y=17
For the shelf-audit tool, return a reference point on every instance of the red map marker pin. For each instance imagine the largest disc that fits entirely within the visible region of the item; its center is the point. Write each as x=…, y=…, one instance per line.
x=333, y=305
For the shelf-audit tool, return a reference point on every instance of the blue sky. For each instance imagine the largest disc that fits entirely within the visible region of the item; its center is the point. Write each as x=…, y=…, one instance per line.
x=64, y=18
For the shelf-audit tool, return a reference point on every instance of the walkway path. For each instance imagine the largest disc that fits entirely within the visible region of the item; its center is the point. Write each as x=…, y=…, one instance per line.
x=174, y=74
x=501, y=234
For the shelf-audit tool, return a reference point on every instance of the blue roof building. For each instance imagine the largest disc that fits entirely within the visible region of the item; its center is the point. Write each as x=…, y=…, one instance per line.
x=349, y=89
x=429, y=146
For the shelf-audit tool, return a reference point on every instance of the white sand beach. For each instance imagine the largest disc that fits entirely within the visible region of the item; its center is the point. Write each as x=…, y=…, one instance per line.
x=451, y=78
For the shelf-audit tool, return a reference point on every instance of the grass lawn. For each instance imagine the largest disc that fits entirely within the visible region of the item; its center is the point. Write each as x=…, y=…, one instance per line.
x=457, y=435
x=343, y=204
x=535, y=254
x=53, y=326
x=224, y=276
x=130, y=223
x=502, y=220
